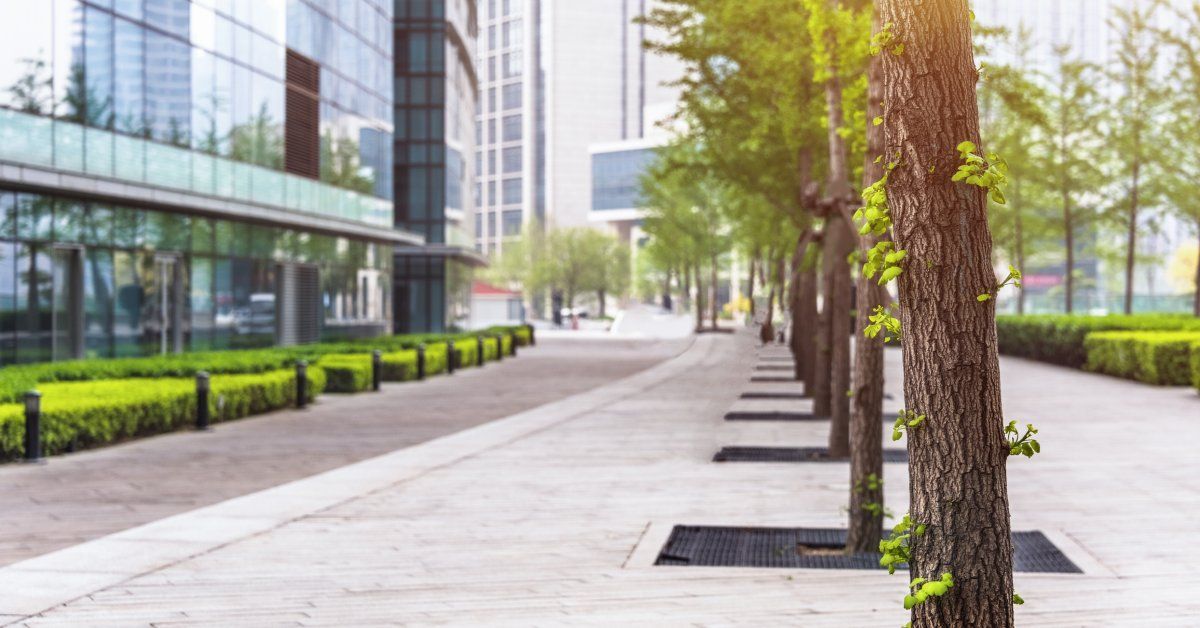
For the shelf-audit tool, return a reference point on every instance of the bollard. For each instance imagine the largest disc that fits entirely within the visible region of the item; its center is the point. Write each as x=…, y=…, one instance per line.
x=512, y=344
x=479, y=354
x=376, y=369
x=499, y=347
x=451, y=357
x=33, y=427
x=421, y=361
x=301, y=384
x=202, y=388
x=532, y=338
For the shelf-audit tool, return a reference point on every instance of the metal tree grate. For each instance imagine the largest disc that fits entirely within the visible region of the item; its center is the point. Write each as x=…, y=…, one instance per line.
x=772, y=416
x=716, y=546
x=773, y=378
x=793, y=454
x=773, y=395
x=773, y=367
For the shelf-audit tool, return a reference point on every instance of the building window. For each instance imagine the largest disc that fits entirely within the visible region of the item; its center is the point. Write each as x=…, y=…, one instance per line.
x=512, y=159
x=512, y=64
x=512, y=34
x=512, y=223
x=512, y=191
x=511, y=96
x=512, y=128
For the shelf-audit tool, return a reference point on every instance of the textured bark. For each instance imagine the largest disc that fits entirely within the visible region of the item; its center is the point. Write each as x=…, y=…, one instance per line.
x=806, y=325
x=1131, y=244
x=750, y=289
x=1018, y=245
x=714, y=306
x=839, y=245
x=957, y=457
x=1068, y=224
x=699, y=298
x=821, y=367
x=866, y=448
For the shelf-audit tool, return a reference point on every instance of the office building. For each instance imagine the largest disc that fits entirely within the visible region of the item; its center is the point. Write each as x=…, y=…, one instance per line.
x=436, y=94
x=181, y=175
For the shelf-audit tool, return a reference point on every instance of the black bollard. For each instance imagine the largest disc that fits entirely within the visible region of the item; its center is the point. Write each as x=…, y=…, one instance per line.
x=479, y=354
x=451, y=357
x=512, y=344
x=532, y=338
x=421, y=361
x=376, y=369
x=202, y=388
x=301, y=384
x=33, y=427
x=499, y=347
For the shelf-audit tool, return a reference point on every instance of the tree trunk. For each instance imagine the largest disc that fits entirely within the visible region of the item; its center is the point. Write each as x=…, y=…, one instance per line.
x=839, y=245
x=1068, y=232
x=1019, y=237
x=794, y=304
x=1196, y=297
x=821, y=384
x=866, y=448
x=781, y=290
x=958, y=455
x=750, y=289
x=805, y=324
x=666, y=293
x=686, y=295
x=600, y=298
x=1131, y=245
x=699, y=298
x=714, y=306
x=766, y=333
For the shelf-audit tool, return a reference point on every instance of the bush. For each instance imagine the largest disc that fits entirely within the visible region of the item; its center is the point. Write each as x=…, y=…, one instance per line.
x=1153, y=357
x=1196, y=365
x=1059, y=338
x=79, y=415
x=347, y=373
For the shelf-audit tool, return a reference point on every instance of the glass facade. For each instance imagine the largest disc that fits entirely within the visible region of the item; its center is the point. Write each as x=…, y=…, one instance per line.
x=191, y=96
x=616, y=178
x=501, y=124
x=435, y=159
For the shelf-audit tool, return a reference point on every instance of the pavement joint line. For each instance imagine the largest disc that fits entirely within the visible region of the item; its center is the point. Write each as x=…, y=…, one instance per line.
x=61, y=577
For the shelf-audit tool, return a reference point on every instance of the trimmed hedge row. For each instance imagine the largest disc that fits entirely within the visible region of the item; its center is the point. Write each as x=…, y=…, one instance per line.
x=1059, y=338
x=78, y=415
x=1154, y=357
x=88, y=403
x=1195, y=362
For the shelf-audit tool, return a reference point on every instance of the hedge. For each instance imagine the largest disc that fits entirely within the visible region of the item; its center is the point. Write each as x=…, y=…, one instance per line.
x=1196, y=365
x=1059, y=338
x=1153, y=357
x=80, y=415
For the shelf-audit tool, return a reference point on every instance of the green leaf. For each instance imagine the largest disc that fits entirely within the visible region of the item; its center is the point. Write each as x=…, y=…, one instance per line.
x=877, y=121
x=983, y=297
x=966, y=147
x=1017, y=599
x=889, y=274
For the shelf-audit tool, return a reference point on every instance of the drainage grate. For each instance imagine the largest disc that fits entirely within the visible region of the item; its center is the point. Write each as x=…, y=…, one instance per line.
x=793, y=454
x=772, y=416
x=773, y=367
x=715, y=546
x=773, y=395
x=773, y=378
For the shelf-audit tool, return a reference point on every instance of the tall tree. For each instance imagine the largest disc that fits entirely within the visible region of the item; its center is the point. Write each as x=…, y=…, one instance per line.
x=1182, y=173
x=1137, y=104
x=957, y=456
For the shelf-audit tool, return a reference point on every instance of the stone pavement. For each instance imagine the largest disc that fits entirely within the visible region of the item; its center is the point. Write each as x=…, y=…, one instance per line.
x=79, y=497
x=555, y=516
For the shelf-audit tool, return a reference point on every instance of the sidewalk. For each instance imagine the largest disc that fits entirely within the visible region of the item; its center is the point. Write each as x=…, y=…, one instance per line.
x=555, y=516
x=79, y=497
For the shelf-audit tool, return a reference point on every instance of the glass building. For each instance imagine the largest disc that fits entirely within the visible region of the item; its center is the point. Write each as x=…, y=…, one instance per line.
x=180, y=175
x=436, y=97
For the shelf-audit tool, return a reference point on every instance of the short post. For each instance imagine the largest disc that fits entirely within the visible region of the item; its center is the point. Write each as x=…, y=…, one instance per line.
x=512, y=344
x=451, y=357
x=301, y=384
x=421, y=361
x=202, y=388
x=532, y=338
x=376, y=369
x=479, y=355
x=33, y=427
x=499, y=347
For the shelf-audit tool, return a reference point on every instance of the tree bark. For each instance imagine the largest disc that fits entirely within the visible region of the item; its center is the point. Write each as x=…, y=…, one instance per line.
x=600, y=298
x=822, y=372
x=1068, y=219
x=866, y=448
x=1019, y=237
x=958, y=456
x=1131, y=245
x=750, y=289
x=839, y=245
x=1196, y=297
x=699, y=298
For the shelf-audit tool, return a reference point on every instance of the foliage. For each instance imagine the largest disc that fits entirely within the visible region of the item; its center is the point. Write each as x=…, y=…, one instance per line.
x=907, y=420
x=1022, y=444
x=895, y=548
x=1059, y=338
x=990, y=174
x=1153, y=357
x=923, y=589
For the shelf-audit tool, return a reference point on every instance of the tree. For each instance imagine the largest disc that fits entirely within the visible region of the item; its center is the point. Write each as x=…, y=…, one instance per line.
x=1182, y=174
x=957, y=455
x=608, y=271
x=1133, y=132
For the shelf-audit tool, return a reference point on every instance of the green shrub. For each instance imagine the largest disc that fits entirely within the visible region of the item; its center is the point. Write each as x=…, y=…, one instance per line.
x=1154, y=357
x=1196, y=365
x=401, y=366
x=1059, y=338
x=347, y=373
x=79, y=415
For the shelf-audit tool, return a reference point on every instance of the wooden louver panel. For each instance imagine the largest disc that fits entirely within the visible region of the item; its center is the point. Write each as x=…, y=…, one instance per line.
x=302, y=132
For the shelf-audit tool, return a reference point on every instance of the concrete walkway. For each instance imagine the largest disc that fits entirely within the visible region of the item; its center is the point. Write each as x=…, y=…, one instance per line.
x=79, y=497
x=555, y=515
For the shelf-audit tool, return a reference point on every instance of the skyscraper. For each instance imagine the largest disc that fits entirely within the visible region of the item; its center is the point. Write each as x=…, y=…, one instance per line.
x=557, y=78
x=198, y=174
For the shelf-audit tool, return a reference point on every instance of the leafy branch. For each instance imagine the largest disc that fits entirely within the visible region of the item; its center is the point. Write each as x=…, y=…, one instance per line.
x=923, y=589
x=1013, y=279
x=906, y=421
x=883, y=320
x=990, y=174
x=1022, y=444
x=895, y=548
